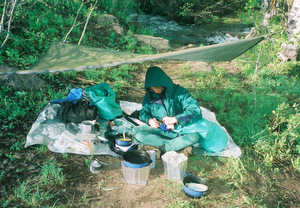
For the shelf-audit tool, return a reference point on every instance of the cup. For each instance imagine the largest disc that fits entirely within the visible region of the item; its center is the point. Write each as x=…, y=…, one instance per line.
x=95, y=166
x=86, y=127
x=152, y=154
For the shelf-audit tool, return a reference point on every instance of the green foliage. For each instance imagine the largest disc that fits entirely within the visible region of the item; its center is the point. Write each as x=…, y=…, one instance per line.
x=119, y=7
x=38, y=23
x=32, y=195
x=119, y=78
x=14, y=106
x=251, y=13
x=51, y=175
x=192, y=11
x=281, y=141
x=41, y=149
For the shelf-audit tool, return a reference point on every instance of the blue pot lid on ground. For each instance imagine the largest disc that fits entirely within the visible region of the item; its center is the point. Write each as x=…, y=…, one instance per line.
x=136, y=159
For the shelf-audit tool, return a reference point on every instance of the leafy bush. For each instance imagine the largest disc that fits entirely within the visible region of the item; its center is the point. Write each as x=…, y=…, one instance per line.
x=191, y=11
x=37, y=23
x=281, y=142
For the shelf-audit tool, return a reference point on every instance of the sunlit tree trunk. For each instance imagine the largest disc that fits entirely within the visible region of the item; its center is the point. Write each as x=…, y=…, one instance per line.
x=293, y=28
x=291, y=50
x=269, y=6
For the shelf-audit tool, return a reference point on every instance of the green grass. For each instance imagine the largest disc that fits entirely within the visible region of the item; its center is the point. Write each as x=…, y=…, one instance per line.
x=51, y=174
x=37, y=192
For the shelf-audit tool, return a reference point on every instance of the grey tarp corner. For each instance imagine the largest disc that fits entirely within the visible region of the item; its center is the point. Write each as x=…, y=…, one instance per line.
x=62, y=57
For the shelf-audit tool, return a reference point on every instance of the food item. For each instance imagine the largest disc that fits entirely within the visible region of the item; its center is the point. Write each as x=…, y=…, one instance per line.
x=125, y=139
x=197, y=186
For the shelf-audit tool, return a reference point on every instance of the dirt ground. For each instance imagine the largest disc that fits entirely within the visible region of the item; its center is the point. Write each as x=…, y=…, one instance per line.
x=107, y=188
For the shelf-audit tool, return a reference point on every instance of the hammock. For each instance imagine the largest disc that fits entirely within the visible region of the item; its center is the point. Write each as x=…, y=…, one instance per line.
x=62, y=57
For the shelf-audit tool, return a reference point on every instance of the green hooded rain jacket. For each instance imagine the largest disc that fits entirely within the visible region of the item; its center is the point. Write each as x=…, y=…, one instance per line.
x=174, y=100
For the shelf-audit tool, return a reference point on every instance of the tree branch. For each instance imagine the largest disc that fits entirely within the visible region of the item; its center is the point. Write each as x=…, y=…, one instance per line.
x=87, y=21
x=9, y=23
x=255, y=79
x=74, y=22
x=3, y=17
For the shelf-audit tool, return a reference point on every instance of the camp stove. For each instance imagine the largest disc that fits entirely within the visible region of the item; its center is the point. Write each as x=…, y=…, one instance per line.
x=122, y=149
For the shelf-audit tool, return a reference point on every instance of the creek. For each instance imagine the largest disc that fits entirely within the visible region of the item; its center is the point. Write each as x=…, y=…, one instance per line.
x=204, y=34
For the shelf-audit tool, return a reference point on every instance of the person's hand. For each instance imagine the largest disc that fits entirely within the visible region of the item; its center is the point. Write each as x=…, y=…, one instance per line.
x=169, y=120
x=153, y=123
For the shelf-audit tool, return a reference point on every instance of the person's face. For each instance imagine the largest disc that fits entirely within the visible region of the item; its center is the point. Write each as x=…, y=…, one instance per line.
x=157, y=90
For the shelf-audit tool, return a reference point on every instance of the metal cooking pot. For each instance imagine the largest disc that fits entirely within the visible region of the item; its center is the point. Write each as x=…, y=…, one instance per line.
x=123, y=139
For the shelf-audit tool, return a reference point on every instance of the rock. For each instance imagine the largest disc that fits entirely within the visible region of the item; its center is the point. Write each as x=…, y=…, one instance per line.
x=17, y=155
x=133, y=17
x=157, y=43
x=191, y=45
x=198, y=66
x=290, y=52
x=23, y=82
x=251, y=34
x=107, y=21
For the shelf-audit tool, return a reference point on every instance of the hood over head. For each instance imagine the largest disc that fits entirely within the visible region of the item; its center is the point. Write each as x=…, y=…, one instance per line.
x=156, y=77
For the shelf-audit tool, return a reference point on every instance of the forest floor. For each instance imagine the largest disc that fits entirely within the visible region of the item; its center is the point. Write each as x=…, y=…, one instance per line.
x=108, y=188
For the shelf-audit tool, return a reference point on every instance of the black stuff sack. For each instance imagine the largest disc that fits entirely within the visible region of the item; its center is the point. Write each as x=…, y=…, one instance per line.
x=77, y=111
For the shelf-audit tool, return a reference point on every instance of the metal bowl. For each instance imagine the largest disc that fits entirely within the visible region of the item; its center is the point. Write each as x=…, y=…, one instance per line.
x=95, y=166
x=194, y=186
x=123, y=139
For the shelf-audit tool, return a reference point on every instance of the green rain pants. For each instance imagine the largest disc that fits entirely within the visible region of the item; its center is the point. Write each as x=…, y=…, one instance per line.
x=157, y=137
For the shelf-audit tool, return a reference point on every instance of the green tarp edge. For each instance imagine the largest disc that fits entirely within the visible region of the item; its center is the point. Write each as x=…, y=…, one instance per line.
x=62, y=57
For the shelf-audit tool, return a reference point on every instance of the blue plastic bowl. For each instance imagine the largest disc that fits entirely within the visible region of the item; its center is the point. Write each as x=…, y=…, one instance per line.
x=119, y=140
x=136, y=159
x=194, y=179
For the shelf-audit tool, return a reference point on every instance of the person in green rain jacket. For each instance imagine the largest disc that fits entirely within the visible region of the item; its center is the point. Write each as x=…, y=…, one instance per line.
x=173, y=115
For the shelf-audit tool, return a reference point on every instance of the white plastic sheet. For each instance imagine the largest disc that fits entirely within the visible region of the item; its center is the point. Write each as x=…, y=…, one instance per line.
x=49, y=130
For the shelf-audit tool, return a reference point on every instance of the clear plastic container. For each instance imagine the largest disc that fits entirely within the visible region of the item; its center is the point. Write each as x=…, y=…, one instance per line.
x=80, y=144
x=138, y=176
x=175, y=165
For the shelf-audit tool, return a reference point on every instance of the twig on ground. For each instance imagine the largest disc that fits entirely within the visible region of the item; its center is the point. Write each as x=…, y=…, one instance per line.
x=255, y=79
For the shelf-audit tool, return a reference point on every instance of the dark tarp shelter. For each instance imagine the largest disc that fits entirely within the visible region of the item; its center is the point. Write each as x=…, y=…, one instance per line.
x=62, y=57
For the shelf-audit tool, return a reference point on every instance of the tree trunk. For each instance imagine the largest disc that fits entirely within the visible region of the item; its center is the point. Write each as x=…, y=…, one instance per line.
x=294, y=20
x=269, y=6
x=291, y=50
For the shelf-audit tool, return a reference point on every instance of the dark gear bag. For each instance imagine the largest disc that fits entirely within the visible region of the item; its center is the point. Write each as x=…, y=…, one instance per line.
x=77, y=111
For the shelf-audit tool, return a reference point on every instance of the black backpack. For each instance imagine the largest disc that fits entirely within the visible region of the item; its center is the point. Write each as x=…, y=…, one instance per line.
x=77, y=111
